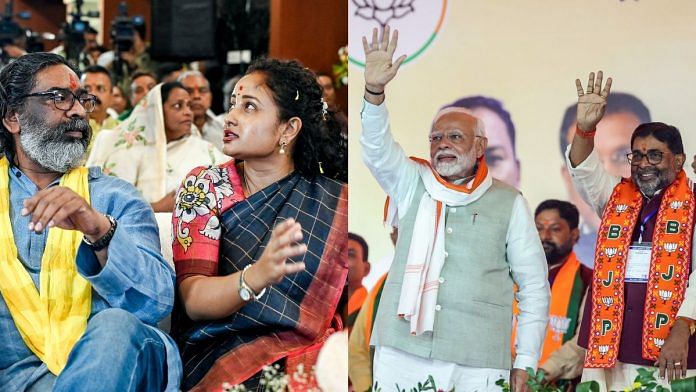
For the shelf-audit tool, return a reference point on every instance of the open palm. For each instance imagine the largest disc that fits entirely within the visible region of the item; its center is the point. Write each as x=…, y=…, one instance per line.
x=379, y=68
x=593, y=102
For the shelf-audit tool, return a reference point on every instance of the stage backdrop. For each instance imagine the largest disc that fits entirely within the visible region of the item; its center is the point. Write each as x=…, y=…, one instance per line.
x=527, y=55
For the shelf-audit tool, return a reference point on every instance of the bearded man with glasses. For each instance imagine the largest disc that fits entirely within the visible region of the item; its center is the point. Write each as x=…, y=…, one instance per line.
x=465, y=239
x=642, y=307
x=76, y=312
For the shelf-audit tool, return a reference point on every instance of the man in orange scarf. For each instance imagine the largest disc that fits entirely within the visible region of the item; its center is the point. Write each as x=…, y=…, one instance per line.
x=358, y=268
x=557, y=223
x=643, y=303
x=464, y=240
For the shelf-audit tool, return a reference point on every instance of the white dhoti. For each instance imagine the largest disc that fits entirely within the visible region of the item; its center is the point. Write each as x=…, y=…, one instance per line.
x=622, y=376
x=394, y=367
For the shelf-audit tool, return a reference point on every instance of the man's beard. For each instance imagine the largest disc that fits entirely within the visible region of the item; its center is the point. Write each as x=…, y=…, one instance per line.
x=463, y=164
x=660, y=180
x=555, y=253
x=49, y=146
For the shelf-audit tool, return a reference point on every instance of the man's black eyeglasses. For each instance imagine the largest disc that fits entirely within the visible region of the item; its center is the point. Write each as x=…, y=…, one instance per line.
x=64, y=99
x=654, y=157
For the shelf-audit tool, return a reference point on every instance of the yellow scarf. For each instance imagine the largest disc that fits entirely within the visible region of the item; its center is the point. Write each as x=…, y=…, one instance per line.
x=669, y=269
x=52, y=320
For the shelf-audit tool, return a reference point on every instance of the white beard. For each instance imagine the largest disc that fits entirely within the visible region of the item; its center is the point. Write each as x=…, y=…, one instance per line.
x=463, y=164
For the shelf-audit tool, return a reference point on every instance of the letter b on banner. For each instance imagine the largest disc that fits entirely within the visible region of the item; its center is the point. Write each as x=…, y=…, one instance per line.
x=614, y=232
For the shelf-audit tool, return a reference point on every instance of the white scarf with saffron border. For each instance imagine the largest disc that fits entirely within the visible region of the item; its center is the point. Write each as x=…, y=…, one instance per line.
x=426, y=255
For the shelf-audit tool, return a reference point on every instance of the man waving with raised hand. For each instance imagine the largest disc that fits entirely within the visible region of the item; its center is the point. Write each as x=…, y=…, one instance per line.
x=464, y=240
x=642, y=306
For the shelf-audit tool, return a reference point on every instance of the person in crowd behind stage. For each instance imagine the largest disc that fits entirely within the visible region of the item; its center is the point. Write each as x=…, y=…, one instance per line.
x=141, y=84
x=557, y=224
x=329, y=94
x=136, y=59
x=85, y=242
x=358, y=268
x=501, y=157
x=624, y=112
x=451, y=213
x=359, y=351
x=205, y=120
x=120, y=102
x=263, y=242
x=97, y=81
x=154, y=148
x=642, y=309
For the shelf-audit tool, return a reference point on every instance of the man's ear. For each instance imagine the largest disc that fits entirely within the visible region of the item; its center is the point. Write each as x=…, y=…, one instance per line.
x=11, y=122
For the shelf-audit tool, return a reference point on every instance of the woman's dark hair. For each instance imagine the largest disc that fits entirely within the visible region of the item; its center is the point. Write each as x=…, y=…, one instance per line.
x=319, y=145
x=17, y=79
x=167, y=88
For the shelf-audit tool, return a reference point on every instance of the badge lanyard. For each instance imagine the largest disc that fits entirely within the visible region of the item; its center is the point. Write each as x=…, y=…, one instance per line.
x=642, y=225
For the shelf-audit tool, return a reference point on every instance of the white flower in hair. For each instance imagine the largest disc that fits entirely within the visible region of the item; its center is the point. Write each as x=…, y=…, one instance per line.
x=324, y=107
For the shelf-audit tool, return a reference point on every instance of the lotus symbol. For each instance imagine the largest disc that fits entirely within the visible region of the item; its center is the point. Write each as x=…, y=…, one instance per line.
x=611, y=252
x=383, y=11
x=676, y=204
x=665, y=295
x=659, y=342
x=603, y=349
x=559, y=325
x=621, y=208
x=607, y=301
x=671, y=246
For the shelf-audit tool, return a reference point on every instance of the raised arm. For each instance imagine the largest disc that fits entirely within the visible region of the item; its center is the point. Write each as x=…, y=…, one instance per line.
x=379, y=69
x=591, y=106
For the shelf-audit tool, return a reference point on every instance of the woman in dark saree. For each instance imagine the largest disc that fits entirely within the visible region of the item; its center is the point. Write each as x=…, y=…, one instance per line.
x=260, y=246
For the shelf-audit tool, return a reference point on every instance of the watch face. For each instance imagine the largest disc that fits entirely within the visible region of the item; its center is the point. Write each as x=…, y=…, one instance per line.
x=244, y=294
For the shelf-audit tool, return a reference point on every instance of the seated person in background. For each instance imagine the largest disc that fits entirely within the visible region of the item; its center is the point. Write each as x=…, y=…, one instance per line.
x=84, y=242
x=97, y=81
x=120, y=102
x=141, y=84
x=205, y=120
x=154, y=148
x=261, y=256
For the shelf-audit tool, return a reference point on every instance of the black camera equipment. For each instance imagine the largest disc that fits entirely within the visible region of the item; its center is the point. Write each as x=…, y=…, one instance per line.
x=74, y=32
x=10, y=31
x=122, y=37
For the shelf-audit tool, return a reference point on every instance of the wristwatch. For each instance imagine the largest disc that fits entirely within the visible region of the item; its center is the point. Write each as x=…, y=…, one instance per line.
x=103, y=242
x=245, y=291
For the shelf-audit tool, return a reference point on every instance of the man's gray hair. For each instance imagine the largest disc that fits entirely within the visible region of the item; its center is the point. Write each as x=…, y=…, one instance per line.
x=192, y=72
x=479, y=128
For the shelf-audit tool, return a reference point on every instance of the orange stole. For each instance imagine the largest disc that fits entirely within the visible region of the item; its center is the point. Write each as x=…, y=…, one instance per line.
x=355, y=302
x=667, y=279
x=561, y=293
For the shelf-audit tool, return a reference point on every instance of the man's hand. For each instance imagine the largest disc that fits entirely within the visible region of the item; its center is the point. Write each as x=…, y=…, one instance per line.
x=61, y=207
x=674, y=353
x=518, y=380
x=379, y=68
x=593, y=102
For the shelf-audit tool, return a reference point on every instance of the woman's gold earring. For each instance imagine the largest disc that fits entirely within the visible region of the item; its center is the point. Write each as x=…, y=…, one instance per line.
x=282, y=147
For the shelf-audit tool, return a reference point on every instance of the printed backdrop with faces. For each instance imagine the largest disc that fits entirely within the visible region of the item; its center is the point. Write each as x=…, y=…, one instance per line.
x=527, y=56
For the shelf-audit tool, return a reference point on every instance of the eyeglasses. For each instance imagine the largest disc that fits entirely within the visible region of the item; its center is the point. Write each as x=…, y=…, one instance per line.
x=65, y=99
x=453, y=137
x=636, y=157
